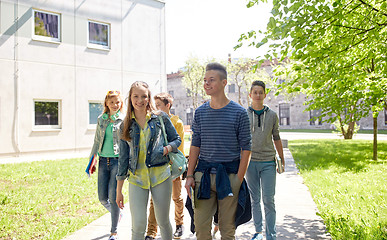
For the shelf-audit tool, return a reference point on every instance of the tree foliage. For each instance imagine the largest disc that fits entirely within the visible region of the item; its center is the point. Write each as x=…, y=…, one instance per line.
x=242, y=72
x=193, y=74
x=338, y=54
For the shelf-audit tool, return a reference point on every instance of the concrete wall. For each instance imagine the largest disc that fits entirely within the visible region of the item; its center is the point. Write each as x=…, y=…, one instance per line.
x=70, y=71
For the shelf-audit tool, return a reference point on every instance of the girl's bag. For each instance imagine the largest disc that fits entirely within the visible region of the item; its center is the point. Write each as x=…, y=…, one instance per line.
x=177, y=160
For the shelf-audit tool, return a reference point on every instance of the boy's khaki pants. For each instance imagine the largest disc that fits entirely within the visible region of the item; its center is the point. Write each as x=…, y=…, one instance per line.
x=205, y=209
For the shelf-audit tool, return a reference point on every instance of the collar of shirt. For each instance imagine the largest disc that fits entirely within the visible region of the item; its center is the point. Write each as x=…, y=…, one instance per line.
x=148, y=116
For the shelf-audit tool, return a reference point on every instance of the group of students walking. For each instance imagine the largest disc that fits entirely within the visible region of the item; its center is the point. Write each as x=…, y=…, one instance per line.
x=228, y=143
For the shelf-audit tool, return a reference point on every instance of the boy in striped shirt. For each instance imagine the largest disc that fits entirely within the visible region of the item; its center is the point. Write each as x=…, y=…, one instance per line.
x=219, y=156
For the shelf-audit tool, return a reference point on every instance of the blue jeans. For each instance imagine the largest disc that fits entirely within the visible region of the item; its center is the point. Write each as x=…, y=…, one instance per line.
x=107, y=184
x=261, y=176
x=138, y=202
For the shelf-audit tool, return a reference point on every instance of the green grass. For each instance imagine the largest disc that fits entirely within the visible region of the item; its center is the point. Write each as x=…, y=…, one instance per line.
x=187, y=138
x=349, y=188
x=382, y=131
x=47, y=199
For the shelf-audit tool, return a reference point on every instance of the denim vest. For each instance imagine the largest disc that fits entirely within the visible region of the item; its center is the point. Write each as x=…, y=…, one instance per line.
x=154, y=156
x=100, y=134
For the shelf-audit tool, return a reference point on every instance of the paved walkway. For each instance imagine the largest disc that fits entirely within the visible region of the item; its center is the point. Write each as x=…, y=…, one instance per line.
x=296, y=214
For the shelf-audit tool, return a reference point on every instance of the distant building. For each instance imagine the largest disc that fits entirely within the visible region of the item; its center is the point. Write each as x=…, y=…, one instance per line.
x=58, y=59
x=182, y=103
x=292, y=114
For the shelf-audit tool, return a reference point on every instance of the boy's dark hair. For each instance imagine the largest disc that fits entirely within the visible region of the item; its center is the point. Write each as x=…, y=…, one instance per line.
x=258, y=83
x=218, y=67
x=165, y=98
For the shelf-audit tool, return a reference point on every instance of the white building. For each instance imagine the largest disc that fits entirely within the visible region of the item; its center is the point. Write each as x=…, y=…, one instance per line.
x=58, y=59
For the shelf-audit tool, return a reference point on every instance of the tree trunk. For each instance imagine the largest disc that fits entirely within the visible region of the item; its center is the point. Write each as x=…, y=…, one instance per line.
x=349, y=133
x=375, y=147
x=239, y=95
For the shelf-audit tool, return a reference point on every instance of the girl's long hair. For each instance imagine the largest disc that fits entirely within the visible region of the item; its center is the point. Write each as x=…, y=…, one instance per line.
x=128, y=118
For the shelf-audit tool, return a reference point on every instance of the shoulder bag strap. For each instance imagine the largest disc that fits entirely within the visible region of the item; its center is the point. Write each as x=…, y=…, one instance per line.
x=163, y=128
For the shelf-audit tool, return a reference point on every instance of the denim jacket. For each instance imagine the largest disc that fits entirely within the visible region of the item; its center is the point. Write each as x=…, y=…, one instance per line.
x=100, y=134
x=154, y=157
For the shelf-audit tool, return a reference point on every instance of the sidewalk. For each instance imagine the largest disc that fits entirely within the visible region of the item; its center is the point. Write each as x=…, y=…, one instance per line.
x=296, y=214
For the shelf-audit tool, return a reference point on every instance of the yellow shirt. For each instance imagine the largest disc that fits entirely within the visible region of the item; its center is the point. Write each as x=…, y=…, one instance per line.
x=178, y=124
x=145, y=177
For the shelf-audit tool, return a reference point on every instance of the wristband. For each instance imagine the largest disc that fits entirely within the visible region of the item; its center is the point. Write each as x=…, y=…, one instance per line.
x=166, y=149
x=190, y=176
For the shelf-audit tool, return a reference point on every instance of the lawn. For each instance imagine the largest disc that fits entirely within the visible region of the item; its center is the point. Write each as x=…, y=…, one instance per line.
x=381, y=131
x=349, y=188
x=187, y=138
x=47, y=199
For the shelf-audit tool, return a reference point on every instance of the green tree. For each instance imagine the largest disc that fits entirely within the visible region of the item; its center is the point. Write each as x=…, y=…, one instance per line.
x=193, y=74
x=39, y=27
x=339, y=96
x=338, y=46
x=242, y=73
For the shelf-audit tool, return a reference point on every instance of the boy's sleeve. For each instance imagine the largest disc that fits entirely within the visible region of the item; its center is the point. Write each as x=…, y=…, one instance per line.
x=276, y=135
x=172, y=136
x=180, y=130
x=196, y=140
x=244, y=134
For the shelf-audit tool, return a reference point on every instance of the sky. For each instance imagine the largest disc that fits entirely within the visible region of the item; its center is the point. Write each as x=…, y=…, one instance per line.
x=210, y=28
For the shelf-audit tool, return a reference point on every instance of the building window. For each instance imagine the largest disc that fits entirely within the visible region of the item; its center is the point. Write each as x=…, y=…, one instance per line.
x=171, y=93
x=95, y=109
x=314, y=117
x=189, y=115
x=385, y=116
x=284, y=114
x=172, y=110
x=189, y=118
x=231, y=88
x=99, y=35
x=46, y=26
x=47, y=114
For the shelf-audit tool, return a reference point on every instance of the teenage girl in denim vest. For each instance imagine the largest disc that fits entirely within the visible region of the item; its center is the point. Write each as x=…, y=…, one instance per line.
x=106, y=145
x=143, y=161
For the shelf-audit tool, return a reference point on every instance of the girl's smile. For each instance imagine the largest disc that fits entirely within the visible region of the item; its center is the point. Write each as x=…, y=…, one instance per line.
x=114, y=104
x=139, y=98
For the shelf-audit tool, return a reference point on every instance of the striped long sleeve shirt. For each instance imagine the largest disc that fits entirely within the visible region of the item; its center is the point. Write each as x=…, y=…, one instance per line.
x=221, y=134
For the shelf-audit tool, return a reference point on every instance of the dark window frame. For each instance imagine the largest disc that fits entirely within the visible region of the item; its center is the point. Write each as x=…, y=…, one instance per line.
x=284, y=114
x=232, y=88
x=314, y=116
x=385, y=116
x=189, y=117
